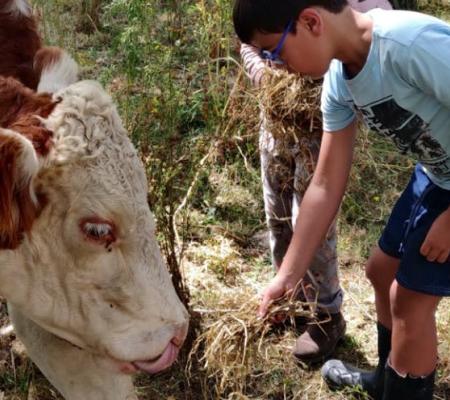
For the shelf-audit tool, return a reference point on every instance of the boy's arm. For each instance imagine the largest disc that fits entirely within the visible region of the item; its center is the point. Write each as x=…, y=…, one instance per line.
x=317, y=211
x=254, y=65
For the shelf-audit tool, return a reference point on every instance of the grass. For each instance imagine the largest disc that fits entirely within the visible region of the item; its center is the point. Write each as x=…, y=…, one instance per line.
x=172, y=69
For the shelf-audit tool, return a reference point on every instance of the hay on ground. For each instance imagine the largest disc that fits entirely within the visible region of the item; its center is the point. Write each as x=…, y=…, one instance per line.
x=237, y=345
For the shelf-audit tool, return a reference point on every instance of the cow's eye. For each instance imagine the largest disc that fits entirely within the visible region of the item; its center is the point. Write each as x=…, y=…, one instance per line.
x=98, y=231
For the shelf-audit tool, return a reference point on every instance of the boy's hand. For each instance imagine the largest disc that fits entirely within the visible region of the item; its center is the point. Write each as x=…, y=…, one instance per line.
x=277, y=287
x=436, y=246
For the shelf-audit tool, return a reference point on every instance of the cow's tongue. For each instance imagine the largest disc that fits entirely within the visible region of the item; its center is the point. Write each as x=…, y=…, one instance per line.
x=164, y=361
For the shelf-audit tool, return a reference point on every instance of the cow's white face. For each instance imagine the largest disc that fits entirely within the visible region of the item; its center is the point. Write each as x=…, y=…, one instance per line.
x=90, y=270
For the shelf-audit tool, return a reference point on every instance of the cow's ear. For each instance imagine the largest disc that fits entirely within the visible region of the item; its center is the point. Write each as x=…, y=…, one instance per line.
x=31, y=127
x=18, y=101
x=18, y=204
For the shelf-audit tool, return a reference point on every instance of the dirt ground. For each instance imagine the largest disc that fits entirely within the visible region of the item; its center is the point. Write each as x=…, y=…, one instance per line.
x=283, y=378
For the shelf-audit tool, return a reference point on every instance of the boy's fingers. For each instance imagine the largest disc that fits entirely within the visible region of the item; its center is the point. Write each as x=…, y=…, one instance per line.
x=443, y=257
x=425, y=248
x=262, y=311
x=433, y=255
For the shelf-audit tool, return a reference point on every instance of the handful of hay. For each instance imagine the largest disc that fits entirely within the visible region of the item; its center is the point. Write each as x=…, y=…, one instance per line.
x=291, y=105
x=292, y=120
x=238, y=346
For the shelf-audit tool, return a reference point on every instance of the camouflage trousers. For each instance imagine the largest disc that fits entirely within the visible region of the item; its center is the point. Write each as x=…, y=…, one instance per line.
x=284, y=175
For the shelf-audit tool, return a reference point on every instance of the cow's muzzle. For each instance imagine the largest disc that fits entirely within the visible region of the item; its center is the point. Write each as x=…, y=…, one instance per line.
x=163, y=361
x=155, y=365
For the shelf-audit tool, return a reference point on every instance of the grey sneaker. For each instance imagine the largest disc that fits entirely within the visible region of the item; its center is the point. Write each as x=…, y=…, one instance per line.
x=339, y=375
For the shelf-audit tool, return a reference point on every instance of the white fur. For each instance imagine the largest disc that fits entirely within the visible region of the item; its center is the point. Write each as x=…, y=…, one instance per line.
x=58, y=75
x=118, y=305
x=19, y=7
x=77, y=374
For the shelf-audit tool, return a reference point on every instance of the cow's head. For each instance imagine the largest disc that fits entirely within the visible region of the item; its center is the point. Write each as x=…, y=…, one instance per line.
x=80, y=257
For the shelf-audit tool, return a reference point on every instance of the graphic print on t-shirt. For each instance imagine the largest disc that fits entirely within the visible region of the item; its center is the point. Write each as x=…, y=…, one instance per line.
x=408, y=131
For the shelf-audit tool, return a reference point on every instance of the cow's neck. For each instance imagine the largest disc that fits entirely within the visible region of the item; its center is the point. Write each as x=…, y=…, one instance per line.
x=12, y=274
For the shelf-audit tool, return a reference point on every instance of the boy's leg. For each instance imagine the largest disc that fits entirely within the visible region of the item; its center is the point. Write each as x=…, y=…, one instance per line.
x=275, y=173
x=415, y=295
x=323, y=276
x=414, y=339
x=380, y=270
x=411, y=368
x=412, y=311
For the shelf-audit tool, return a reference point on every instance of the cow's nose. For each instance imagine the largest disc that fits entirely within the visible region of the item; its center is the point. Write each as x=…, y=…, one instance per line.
x=179, y=337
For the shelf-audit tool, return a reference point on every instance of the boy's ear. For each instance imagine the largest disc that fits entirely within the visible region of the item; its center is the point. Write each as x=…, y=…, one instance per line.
x=311, y=20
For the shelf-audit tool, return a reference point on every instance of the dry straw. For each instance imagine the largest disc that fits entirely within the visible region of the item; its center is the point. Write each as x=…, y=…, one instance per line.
x=237, y=345
x=290, y=106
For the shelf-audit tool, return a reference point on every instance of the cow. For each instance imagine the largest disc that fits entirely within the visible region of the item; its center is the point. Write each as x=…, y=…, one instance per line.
x=87, y=289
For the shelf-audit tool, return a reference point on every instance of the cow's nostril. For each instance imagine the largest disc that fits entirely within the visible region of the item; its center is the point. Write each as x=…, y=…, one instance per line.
x=177, y=341
x=180, y=335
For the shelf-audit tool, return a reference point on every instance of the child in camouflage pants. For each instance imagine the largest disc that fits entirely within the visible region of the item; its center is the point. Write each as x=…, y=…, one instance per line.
x=283, y=177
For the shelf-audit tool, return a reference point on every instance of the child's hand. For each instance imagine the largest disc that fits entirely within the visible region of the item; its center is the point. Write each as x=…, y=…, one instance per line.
x=276, y=289
x=254, y=65
x=436, y=246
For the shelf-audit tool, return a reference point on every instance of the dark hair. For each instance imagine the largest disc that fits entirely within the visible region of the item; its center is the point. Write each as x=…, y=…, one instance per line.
x=272, y=16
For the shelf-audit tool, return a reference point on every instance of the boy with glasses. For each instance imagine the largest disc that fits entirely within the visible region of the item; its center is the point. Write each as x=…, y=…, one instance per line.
x=283, y=170
x=388, y=67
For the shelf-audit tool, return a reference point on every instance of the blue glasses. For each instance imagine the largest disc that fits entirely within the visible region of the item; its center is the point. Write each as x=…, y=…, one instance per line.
x=274, y=56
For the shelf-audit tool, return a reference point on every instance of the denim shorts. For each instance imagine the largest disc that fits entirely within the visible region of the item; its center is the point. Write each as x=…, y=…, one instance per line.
x=411, y=218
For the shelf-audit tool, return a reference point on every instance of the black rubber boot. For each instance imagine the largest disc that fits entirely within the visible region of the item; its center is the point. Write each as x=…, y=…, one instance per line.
x=373, y=381
x=407, y=388
x=339, y=375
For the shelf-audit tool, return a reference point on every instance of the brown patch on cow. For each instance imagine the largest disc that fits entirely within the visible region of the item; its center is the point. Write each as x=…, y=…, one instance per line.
x=17, y=210
x=31, y=127
x=19, y=42
x=19, y=110
x=19, y=100
x=46, y=57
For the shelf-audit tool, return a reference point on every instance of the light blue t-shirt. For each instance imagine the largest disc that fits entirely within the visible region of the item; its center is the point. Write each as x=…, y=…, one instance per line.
x=403, y=90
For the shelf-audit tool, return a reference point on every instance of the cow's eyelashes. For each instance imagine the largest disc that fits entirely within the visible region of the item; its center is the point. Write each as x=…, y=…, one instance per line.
x=101, y=232
x=97, y=230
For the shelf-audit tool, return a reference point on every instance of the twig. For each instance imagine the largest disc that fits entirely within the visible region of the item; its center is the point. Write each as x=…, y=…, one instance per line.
x=188, y=195
x=243, y=156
